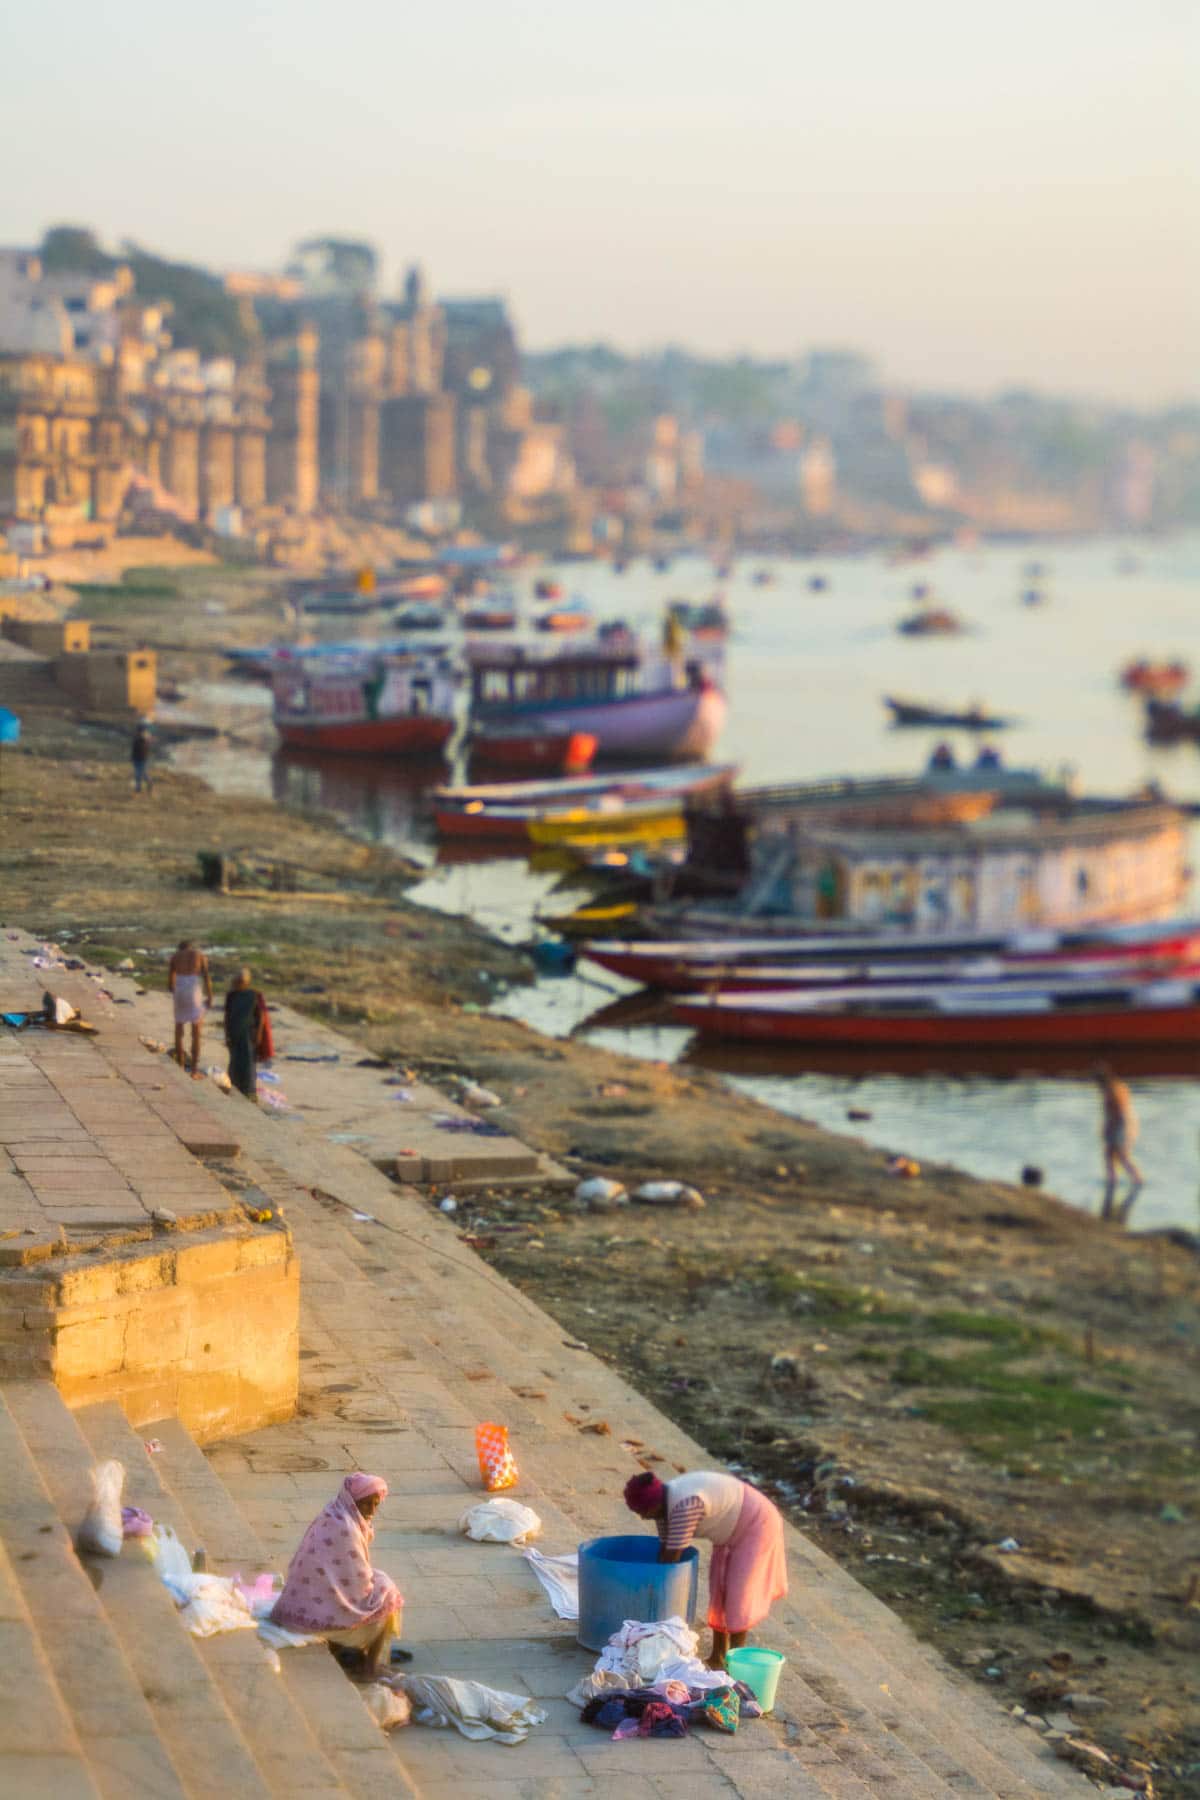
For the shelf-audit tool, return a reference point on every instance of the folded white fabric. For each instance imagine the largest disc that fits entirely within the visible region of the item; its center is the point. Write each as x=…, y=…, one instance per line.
x=559, y=1575
x=473, y=1709
x=500, y=1521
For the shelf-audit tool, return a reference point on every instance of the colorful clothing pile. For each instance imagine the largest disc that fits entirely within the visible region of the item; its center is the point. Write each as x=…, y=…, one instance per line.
x=668, y=1709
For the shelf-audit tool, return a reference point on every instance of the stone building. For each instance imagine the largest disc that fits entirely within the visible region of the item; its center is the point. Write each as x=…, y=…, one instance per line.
x=293, y=473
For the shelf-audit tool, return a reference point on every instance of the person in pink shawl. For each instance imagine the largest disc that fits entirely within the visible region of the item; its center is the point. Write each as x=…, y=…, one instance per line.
x=331, y=1588
x=748, y=1570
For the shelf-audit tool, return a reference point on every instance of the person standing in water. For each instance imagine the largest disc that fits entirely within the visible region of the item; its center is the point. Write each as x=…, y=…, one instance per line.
x=1119, y=1134
x=190, y=982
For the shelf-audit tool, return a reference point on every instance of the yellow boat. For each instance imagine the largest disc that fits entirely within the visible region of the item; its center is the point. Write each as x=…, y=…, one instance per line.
x=591, y=921
x=653, y=822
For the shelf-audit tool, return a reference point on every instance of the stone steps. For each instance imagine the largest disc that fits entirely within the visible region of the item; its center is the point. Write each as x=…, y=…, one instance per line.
x=42, y=1756
x=864, y=1672
x=336, y=1734
x=261, y=1706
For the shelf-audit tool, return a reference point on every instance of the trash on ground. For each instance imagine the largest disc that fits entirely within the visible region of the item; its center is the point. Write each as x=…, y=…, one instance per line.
x=448, y=1205
x=102, y=1532
x=497, y=1468
x=905, y=1166
x=475, y=1127
x=470, y=1093
x=153, y=1446
x=389, y=1709
x=601, y=1194
x=135, y=1522
x=207, y=1604
x=162, y=1215
x=364, y=1218
x=669, y=1193
x=559, y=1575
x=1007, y=1545
x=473, y=1709
x=500, y=1522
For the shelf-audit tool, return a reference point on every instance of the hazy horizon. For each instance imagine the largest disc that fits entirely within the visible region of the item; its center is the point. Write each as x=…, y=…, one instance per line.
x=979, y=205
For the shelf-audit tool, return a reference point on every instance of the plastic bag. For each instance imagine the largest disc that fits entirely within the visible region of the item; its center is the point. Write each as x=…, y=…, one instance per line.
x=102, y=1531
x=135, y=1522
x=497, y=1468
x=500, y=1522
x=388, y=1708
x=601, y=1194
x=207, y=1603
x=669, y=1193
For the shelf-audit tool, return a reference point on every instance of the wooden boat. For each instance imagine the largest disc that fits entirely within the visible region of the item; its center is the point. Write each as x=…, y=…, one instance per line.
x=706, y=622
x=931, y=621
x=490, y=615
x=519, y=751
x=1090, y=1015
x=965, y=971
x=1156, y=681
x=658, y=821
x=682, y=965
x=971, y=718
x=548, y=590
x=1169, y=723
x=506, y=809
x=573, y=616
x=364, y=704
x=637, y=702
x=420, y=615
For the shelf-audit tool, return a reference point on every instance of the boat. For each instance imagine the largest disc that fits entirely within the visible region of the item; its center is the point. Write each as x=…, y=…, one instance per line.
x=518, y=752
x=971, y=718
x=506, y=809
x=421, y=615
x=931, y=621
x=1169, y=723
x=365, y=704
x=637, y=702
x=490, y=615
x=1088, y=1015
x=706, y=622
x=1155, y=681
x=763, y=578
x=649, y=821
x=340, y=603
x=985, y=971
x=684, y=965
x=548, y=590
x=574, y=615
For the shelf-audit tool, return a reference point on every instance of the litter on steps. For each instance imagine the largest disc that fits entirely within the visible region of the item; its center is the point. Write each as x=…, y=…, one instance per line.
x=559, y=1575
x=207, y=1604
x=639, y=1655
x=102, y=1531
x=473, y=1709
x=500, y=1522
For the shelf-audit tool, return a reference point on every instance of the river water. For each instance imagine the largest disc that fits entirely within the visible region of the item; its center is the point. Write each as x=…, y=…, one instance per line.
x=806, y=673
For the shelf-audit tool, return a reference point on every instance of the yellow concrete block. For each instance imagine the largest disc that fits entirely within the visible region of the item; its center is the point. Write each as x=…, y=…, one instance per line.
x=139, y=1275
x=94, y=1346
x=263, y=1248
x=207, y=1260
x=156, y=1333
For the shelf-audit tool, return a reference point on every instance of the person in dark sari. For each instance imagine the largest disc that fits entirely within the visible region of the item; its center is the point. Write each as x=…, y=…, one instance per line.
x=245, y=1027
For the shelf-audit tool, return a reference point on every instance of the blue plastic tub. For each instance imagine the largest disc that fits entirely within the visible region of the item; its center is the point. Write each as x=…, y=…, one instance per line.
x=621, y=1578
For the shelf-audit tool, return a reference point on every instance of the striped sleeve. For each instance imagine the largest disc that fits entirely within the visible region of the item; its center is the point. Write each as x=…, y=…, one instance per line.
x=682, y=1521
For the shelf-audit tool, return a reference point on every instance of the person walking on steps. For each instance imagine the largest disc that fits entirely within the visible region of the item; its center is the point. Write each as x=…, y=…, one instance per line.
x=190, y=982
x=748, y=1571
x=1119, y=1131
x=247, y=1034
x=139, y=756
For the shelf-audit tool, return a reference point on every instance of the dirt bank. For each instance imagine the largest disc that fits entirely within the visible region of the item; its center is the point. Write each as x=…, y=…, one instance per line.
x=920, y=1369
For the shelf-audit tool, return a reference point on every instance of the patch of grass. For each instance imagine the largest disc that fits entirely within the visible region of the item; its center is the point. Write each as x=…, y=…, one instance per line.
x=993, y=1328
x=1009, y=1410
x=831, y=1302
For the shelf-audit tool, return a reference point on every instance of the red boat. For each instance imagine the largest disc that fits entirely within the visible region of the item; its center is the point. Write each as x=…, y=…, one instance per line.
x=548, y=590
x=522, y=751
x=1089, y=1015
x=355, y=705
x=1155, y=681
x=683, y=966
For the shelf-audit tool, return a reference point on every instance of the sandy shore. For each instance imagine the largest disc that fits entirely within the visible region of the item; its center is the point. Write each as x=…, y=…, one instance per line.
x=930, y=1368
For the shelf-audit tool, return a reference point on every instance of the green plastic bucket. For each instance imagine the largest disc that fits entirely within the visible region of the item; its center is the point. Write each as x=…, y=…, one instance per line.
x=760, y=1670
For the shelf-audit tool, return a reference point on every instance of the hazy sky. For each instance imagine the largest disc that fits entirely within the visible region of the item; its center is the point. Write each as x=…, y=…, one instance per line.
x=978, y=195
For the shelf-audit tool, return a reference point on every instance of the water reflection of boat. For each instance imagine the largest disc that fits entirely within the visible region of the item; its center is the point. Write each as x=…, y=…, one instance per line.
x=1007, y=1062
x=626, y=1014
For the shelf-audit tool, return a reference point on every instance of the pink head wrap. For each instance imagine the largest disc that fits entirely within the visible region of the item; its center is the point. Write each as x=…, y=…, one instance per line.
x=360, y=1486
x=644, y=1494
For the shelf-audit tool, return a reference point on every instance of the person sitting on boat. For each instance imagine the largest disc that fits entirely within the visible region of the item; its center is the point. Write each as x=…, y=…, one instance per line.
x=674, y=635
x=989, y=758
x=748, y=1572
x=332, y=1591
x=943, y=757
x=1119, y=1134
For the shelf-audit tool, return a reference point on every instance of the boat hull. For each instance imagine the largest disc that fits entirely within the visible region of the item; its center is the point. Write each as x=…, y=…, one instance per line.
x=422, y=735
x=1082, y=1030
x=680, y=725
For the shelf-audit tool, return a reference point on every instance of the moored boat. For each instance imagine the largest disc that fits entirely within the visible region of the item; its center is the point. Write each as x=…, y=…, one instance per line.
x=365, y=705
x=970, y=718
x=1155, y=680
x=1089, y=1015
x=931, y=621
x=506, y=809
x=518, y=751
x=706, y=622
x=636, y=702
x=684, y=965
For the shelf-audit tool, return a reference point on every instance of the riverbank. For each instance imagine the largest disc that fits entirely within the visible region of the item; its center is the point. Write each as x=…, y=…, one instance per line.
x=956, y=1363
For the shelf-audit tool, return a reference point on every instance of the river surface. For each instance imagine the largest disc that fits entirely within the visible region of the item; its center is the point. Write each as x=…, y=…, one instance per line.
x=806, y=673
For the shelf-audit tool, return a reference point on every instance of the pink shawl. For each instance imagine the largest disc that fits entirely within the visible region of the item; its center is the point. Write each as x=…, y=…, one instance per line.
x=330, y=1584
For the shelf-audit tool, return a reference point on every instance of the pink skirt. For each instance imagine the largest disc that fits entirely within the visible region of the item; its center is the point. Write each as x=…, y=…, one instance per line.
x=749, y=1573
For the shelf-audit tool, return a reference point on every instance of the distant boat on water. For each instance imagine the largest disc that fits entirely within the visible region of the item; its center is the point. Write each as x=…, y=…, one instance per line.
x=970, y=718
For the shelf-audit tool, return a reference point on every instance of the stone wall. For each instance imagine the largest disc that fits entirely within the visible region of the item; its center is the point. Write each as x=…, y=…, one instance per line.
x=204, y=1326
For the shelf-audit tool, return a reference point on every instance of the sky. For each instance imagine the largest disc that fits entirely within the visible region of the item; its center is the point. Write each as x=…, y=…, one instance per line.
x=978, y=196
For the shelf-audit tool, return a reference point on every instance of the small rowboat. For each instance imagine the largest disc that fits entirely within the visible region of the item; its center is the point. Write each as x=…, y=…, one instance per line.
x=683, y=965
x=508, y=809
x=1089, y=1015
x=971, y=718
x=636, y=822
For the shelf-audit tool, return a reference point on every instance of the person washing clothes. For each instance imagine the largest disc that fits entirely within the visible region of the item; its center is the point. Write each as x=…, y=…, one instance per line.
x=331, y=1589
x=748, y=1572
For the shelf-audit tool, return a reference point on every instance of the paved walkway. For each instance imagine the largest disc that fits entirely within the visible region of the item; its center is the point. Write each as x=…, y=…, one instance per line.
x=408, y=1340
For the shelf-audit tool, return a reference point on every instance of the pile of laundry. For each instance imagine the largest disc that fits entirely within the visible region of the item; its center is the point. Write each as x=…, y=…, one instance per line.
x=649, y=1681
